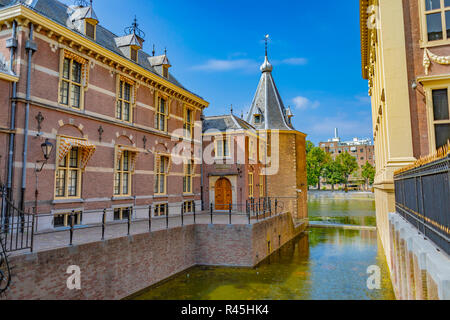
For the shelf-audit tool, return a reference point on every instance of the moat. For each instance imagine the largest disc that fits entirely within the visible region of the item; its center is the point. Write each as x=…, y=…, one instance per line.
x=321, y=264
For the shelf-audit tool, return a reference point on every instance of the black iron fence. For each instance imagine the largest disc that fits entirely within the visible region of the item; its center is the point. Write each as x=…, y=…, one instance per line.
x=24, y=231
x=16, y=226
x=422, y=197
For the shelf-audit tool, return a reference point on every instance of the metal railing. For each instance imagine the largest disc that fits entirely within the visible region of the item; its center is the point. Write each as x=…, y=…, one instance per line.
x=41, y=231
x=422, y=197
x=16, y=226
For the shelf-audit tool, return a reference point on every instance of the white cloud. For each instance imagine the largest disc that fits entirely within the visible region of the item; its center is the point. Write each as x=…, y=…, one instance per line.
x=363, y=99
x=303, y=103
x=227, y=65
x=295, y=61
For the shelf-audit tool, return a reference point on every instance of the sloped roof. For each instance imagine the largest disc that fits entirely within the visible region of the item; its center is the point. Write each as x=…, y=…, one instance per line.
x=159, y=60
x=225, y=123
x=60, y=13
x=268, y=103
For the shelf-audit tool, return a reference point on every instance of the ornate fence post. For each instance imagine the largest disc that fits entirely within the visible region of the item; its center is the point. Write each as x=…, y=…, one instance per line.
x=129, y=221
x=72, y=224
x=167, y=218
x=150, y=218
x=247, y=208
x=182, y=215
x=194, y=213
x=270, y=207
x=211, y=212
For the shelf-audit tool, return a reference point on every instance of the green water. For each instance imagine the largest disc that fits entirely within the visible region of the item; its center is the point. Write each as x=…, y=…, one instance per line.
x=321, y=264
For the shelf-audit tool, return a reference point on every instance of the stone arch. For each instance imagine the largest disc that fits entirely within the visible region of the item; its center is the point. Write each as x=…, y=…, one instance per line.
x=71, y=130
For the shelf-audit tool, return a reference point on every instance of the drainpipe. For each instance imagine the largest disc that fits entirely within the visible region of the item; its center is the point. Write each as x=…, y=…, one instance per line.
x=31, y=48
x=11, y=44
x=202, y=118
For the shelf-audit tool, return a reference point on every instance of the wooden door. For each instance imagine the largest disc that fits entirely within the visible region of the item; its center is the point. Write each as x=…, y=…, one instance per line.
x=223, y=194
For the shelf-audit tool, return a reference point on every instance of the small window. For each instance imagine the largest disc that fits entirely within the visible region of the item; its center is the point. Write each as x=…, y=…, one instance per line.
x=161, y=210
x=261, y=186
x=188, y=123
x=122, y=175
x=222, y=148
x=122, y=213
x=166, y=72
x=437, y=16
x=161, y=170
x=161, y=115
x=188, y=207
x=441, y=118
x=63, y=220
x=123, y=109
x=188, y=177
x=90, y=30
x=68, y=175
x=70, y=88
x=257, y=118
x=250, y=185
x=134, y=55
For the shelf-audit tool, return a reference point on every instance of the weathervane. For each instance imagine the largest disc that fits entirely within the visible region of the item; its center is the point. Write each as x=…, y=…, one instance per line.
x=134, y=29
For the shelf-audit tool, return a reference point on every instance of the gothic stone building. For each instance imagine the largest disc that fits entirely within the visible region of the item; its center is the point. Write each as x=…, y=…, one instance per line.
x=112, y=112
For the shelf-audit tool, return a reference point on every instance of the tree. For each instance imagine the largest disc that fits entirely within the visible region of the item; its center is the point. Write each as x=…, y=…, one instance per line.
x=309, y=146
x=348, y=164
x=316, y=160
x=368, y=173
x=333, y=173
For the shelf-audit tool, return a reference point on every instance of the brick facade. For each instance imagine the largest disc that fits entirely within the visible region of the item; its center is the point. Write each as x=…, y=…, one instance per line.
x=98, y=111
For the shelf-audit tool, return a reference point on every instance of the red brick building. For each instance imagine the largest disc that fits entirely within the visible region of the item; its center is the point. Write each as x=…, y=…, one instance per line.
x=113, y=113
x=234, y=155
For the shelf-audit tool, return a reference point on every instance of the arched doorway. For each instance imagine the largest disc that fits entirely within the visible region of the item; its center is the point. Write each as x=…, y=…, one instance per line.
x=223, y=194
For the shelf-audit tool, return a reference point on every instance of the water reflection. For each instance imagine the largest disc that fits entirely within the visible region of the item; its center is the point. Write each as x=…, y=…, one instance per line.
x=342, y=208
x=321, y=264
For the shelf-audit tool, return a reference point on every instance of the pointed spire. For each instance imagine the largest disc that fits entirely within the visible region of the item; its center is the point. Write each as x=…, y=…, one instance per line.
x=231, y=109
x=266, y=66
x=153, y=52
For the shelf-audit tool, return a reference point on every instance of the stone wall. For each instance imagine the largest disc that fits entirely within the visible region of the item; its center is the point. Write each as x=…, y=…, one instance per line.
x=418, y=270
x=117, y=268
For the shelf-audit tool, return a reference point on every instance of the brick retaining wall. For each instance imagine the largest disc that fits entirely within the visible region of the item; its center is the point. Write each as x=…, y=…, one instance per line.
x=117, y=268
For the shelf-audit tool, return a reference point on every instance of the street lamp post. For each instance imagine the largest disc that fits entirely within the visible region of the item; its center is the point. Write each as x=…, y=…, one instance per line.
x=47, y=148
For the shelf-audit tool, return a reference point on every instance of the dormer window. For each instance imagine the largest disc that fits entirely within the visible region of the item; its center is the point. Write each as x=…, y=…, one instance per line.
x=165, y=72
x=84, y=20
x=257, y=118
x=134, y=54
x=90, y=30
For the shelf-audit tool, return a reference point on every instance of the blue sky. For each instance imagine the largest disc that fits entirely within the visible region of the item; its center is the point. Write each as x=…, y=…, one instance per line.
x=216, y=48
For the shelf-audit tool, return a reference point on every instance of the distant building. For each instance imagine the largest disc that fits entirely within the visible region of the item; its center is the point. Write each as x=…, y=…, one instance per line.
x=362, y=149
